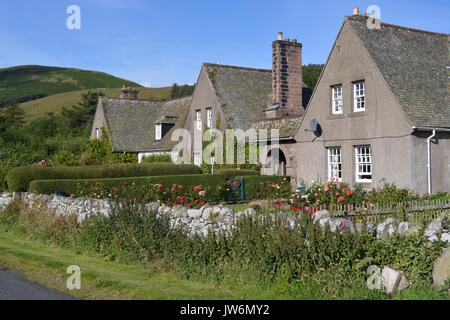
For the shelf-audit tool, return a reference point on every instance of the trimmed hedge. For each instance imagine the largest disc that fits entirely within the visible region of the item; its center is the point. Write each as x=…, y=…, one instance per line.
x=19, y=178
x=70, y=186
x=253, y=184
x=229, y=173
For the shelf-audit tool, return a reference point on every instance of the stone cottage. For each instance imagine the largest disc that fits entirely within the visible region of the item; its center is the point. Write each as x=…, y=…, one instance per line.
x=244, y=98
x=140, y=126
x=380, y=110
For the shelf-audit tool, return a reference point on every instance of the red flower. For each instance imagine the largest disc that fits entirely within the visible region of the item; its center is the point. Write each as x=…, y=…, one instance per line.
x=180, y=187
x=125, y=184
x=294, y=208
x=72, y=195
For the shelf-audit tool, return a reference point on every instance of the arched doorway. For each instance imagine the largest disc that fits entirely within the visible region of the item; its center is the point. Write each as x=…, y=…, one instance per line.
x=278, y=162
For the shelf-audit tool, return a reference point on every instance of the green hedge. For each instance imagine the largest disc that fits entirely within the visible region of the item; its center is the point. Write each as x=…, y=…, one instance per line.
x=237, y=173
x=70, y=186
x=253, y=184
x=19, y=178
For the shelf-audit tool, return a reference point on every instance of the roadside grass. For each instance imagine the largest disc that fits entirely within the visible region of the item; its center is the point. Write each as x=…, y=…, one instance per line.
x=100, y=279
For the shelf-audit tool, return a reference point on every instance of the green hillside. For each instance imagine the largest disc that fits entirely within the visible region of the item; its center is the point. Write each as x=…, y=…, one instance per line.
x=55, y=102
x=24, y=83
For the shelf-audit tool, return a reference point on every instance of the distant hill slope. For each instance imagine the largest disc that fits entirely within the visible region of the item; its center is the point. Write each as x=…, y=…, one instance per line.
x=29, y=82
x=55, y=102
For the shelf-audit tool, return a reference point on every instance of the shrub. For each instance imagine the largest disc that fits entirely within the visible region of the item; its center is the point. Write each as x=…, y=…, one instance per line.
x=85, y=186
x=157, y=158
x=267, y=187
x=10, y=213
x=332, y=193
x=20, y=178
x=230, y=173
x=66, y=158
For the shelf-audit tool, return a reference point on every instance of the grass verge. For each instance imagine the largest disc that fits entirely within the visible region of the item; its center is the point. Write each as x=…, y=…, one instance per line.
x=100, y=279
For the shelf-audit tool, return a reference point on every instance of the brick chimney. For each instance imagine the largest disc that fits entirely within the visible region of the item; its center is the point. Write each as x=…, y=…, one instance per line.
x=287, y=77
x=129, y=93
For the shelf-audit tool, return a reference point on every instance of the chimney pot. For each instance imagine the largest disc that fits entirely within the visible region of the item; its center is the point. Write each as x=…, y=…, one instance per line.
x=287, y=39
x=355, y=11
x=294, y=40
x=280, y=35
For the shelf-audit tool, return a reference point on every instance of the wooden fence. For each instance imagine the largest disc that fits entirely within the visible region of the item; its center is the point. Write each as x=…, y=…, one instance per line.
x=415, y=212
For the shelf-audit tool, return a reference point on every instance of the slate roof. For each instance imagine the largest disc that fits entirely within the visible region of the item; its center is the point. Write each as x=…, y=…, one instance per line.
x=131, y=123
x=243, y=93
x=286, y=126
x=414, y=64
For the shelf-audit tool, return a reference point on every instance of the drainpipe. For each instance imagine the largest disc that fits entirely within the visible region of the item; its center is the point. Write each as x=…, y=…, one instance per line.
x=429, y=159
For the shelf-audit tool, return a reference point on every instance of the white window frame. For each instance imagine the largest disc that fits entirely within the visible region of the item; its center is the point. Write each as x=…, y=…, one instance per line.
x=158, y=131
x=97, y=133
x=334, y=163
x=209, y=117
x=359, y=96
x=197, y=158
x=363, y=163
x=198, y=119
x=336, y=99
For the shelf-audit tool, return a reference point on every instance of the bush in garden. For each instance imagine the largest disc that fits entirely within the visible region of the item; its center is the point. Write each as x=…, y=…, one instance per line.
x=66, y=158
x=231, y=173
x=19, y=178
x=334, y=193
x=157, y=158
x=170, y=194
x=267, y=187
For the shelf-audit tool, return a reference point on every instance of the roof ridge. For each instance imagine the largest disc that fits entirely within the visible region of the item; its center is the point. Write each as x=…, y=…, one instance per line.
x=147, y=100
x=235, y=67
x=359, y=17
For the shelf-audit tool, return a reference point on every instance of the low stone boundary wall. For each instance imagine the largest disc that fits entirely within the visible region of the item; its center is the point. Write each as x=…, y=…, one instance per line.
x=219, y=217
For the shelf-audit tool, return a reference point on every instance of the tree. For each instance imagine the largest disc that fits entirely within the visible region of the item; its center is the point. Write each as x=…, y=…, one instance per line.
x=311, y=73
x=181, y=91
x=175, y=92
x=12, y=116
x=83, y=112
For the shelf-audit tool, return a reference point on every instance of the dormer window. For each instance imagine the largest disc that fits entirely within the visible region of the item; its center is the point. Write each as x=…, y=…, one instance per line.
x=336, y=99
x=359, y=96
x=158, y=131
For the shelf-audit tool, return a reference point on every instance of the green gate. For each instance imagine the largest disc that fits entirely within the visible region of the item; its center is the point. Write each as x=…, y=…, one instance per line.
x=236, y=192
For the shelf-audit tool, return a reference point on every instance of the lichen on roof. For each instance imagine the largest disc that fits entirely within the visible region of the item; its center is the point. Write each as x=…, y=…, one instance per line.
x=414, y=64
x=131, y=123
x=286, y=126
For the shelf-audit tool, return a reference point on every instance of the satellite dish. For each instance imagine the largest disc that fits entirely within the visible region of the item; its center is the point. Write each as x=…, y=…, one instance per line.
x=313, y=125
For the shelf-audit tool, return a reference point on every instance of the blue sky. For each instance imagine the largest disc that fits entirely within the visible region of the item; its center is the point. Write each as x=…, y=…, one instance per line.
x=158, y=42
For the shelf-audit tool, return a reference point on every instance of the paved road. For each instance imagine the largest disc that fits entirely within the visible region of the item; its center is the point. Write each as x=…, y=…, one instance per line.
x=13, y=287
